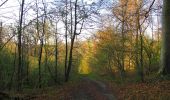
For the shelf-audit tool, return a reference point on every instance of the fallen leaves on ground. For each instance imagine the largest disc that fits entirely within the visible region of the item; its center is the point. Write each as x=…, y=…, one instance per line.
x=87, y=90
x=82, y=90
x=142, y=91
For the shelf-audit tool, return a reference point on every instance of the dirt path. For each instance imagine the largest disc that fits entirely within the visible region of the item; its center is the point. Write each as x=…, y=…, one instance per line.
x=92, y=90
x=86, y=89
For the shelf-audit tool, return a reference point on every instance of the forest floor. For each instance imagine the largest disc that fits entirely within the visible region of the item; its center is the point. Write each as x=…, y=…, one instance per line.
x=151, y=90
x=85, y=89
x=92, y=89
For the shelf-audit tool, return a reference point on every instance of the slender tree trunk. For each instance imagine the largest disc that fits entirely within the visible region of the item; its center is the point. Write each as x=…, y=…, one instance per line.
x=27, y=61
x=1, y=34
x=122, y=69
x=56, y=54
x=23, y=58
x=137, y=44
x=70, y=60
x=72, y=44
x=123, y=50
x=46, y=55
x=41, y=46
x=141, y=58
x=66, y=43
x=139, y=33
x=19, y=80
x=27, y=70
x=1, y=78
x=39, y=63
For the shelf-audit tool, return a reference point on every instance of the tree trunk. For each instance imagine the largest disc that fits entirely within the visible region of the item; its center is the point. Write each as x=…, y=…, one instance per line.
x=70, y=59
x=1, y=34
x=56, y=55
x=1, y=78
x=66, y=45
x=19, y=80
x=139, y=36
x=165, y=52
x=41, y=47
x=39, y=64
x=72, y=44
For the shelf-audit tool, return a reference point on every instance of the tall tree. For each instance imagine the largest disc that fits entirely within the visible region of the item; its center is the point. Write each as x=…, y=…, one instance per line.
x=56, y=54
x=66, y=38
x=19, y=80
x=165, y=53
x=73, y=35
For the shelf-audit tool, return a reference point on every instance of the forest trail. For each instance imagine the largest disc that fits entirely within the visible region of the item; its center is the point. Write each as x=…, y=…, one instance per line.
x=89, y=89
x=85, y=89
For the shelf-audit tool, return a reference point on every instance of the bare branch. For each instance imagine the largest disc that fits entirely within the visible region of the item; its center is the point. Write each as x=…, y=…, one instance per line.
x=3, y=3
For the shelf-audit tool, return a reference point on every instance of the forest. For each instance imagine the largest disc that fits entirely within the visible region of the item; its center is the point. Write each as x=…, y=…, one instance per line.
x=84, y=50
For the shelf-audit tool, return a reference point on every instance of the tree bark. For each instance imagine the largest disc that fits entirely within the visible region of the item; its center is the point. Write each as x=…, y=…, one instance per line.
x=66, y=42
x=19, y=79
x=165, y=52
